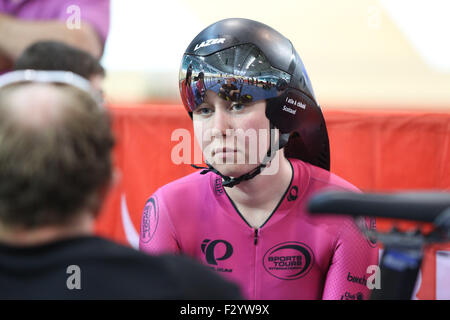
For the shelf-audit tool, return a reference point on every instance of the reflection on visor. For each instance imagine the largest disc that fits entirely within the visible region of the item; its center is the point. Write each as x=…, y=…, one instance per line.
x=239, y=74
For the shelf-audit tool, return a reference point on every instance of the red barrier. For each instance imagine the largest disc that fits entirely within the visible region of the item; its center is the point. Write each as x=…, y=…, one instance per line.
x=374, y=150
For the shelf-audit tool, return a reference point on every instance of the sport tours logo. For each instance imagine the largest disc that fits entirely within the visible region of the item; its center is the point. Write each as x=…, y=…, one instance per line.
x=289, y=260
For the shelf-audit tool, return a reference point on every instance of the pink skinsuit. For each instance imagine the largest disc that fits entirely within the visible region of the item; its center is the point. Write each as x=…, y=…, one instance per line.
x=293, y=255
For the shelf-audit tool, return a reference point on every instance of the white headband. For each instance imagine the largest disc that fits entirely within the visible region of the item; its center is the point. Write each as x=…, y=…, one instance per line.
x=40, y=76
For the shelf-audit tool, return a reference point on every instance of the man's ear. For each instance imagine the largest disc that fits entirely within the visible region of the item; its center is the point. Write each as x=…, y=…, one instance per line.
x=102, y=192
x=116, y=177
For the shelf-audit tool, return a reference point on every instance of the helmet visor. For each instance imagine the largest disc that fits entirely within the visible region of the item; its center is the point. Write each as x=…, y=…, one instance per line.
x=240, y=74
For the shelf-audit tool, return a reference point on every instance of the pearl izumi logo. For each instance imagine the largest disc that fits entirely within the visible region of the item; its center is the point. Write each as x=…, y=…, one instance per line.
x=209, y=42
x=217, y=250
x=293, y=194
x=289, y=260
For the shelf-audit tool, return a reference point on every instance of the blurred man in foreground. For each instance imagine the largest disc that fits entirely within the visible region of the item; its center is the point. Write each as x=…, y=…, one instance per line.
x=55, y=168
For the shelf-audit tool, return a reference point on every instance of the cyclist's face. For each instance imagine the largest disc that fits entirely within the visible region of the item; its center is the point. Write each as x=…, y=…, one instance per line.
x=234, y=137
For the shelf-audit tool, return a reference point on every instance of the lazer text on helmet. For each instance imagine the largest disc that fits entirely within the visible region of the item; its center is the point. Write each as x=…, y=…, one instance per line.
x=209, y=42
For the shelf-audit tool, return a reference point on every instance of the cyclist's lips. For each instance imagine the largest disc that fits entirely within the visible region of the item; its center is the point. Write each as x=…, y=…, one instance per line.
x=223, y=151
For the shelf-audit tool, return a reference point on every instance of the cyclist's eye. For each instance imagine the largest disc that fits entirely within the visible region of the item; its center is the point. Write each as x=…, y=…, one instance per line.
x=203, y=111
x=237, y=107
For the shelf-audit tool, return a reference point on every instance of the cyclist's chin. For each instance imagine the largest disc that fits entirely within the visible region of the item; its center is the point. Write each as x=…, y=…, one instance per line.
x=232, y=169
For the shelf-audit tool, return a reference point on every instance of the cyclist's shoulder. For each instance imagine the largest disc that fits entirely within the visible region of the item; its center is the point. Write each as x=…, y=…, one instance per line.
x=190, y=188
x=317, y=180
x=320, y=178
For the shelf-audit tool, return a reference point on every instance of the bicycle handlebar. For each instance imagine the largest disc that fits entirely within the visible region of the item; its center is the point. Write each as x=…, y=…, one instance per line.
x=416, y=206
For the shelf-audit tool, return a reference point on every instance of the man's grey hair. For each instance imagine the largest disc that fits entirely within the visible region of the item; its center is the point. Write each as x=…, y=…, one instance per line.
x=50, y=171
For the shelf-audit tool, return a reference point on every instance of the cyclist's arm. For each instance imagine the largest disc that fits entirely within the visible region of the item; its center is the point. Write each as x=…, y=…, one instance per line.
x=348, y=271
x=157, y=234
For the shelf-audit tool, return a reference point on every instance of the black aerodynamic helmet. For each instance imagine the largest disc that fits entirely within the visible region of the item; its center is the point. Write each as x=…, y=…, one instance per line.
x=261, y=64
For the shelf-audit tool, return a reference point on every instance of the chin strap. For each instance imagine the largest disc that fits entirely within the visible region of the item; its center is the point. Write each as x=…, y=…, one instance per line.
x=230, y=182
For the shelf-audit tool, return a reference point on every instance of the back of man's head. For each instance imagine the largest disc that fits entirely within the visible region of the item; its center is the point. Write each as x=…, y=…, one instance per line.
x=55, y=154
x=52, y=55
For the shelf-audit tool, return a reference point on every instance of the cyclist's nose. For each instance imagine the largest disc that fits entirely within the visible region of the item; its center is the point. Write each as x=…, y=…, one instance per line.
x=221, y=122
